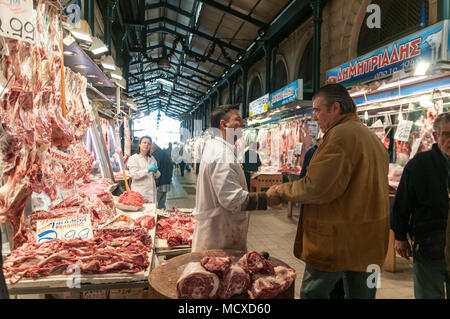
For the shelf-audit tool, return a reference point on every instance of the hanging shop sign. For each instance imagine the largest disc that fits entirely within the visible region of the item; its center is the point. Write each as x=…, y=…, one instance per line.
x=289, y=93
x=429, y=45
x=64, y=228
x=403, y=131
x=259, y=106
x=17, y=20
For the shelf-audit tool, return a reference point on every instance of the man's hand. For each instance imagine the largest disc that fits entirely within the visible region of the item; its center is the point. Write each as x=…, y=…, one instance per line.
x=273, y=199
x=403, y=248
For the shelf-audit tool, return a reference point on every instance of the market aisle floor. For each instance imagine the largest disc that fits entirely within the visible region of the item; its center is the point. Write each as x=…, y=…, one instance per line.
x=273, y=231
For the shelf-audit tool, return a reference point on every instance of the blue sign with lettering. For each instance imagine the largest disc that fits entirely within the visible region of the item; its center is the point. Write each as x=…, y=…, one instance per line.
x=426, y=44
x=289, y=93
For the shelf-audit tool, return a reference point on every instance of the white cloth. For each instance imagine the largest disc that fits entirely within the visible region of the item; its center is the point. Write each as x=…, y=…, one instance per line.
x=221, y=191
x=143, y=181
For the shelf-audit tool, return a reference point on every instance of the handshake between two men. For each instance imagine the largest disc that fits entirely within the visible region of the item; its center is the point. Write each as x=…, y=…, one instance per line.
x=273, y=198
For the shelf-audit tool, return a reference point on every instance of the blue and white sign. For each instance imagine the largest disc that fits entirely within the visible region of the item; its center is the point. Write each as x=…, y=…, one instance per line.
x=427, y=44
x=259, y=106
x=289, y=93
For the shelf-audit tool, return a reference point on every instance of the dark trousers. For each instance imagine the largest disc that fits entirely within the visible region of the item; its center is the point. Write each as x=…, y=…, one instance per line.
x=3, y=288
x=197, y=168
x=182, y=166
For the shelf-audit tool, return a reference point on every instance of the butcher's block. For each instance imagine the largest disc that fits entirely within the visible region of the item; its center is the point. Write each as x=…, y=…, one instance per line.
x=163, y=279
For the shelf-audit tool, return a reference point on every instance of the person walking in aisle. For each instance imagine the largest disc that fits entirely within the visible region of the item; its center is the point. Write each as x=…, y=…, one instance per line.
x=143, y=171
x=4, y=294
x=165, y=167
x=222, y=201
x=251, y=162
x=343, y=229
x=421, y=210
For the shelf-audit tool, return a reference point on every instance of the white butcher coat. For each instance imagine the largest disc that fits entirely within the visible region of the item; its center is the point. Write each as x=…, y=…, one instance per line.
x=143, y=181
x=221, y=191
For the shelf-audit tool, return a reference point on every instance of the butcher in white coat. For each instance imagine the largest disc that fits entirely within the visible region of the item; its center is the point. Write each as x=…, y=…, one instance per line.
x=222, y=199
x=144, y=170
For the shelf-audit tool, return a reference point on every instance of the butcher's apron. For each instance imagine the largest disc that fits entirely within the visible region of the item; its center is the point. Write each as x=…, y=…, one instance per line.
x=223, y=231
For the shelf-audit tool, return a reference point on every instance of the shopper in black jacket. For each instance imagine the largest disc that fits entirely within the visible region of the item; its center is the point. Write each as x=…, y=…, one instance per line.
x=165, y=167
x=421, y=209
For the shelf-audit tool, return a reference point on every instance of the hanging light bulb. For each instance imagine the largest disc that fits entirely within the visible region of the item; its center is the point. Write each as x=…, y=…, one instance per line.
x=366, y=115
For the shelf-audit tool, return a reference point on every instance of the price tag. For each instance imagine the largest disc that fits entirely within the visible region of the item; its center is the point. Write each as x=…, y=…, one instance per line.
x=64, y=228
x=17, y=20
x=290, y=157
x=403, y=131
x=313, y=129
x=298, y=148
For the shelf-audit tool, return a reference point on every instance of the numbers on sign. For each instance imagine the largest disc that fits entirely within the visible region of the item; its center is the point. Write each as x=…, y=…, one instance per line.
x=29, y=28
x=84, y=233
x=16, y=25
x=70, y=234
x=47, y=235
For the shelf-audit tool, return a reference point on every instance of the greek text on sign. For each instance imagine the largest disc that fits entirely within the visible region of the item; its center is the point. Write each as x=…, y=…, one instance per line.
x=259, y=106
x=17, y=20
x=403, y=131
x=64, y=228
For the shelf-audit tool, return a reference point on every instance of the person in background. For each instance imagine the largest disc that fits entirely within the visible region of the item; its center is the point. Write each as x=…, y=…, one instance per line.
x=143, y=171
x=420, y=209
x=251, y=162
x=309, y=154
x=222, y=201
x=165, y=167
x=343, y=229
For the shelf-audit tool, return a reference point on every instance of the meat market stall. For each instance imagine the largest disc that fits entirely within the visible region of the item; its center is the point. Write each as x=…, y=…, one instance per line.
x=175, y=228
x=66, y=234
x=399, y=90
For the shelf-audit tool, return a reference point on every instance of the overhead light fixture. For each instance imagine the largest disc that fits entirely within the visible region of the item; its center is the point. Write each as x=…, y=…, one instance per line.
x=421, y=68
x=401, y=82
x=81, y=36
x=82, y=66
x=165, y=82
x=117, y=75
x=98, y=47
x=357, y=93
x=69, y=53
x=108, y=63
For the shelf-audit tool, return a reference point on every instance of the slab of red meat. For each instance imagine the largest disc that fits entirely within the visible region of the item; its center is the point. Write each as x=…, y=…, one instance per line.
x=197, y=283
x=254, y=263
x=131, y=198
x=235, y=283
x=145, y=222
x=179, y=236
x=269, y=286
x=217, y=265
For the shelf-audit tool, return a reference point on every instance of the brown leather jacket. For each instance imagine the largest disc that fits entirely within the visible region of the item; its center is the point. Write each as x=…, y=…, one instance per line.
x=344, y=225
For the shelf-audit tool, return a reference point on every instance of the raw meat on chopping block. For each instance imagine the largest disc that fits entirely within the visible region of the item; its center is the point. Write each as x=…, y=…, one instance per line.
x=197, y=283
x=145, y=222
x=235, y=283
x=269, y=286
x=253, y=263
x=218, y=265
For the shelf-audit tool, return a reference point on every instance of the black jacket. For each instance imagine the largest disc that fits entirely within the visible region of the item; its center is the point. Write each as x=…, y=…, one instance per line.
x=308, y=157
x=421, y=203
x=165, y=166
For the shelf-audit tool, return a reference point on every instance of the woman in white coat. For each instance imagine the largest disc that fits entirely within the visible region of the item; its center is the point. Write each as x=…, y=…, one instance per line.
x=144, y=171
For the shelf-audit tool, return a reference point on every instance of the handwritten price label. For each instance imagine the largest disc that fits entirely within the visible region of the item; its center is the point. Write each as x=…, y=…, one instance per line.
x=17, y=20
x=64, y=228
x=403, y=131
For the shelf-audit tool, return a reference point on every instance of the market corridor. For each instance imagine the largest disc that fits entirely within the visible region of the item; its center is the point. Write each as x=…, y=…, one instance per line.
x=273, y=231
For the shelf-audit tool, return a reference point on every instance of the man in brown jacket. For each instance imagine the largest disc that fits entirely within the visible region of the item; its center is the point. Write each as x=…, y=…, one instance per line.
x=343, y=230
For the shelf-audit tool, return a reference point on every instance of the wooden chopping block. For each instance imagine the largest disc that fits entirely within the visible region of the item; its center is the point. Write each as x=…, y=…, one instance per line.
x=163, y=279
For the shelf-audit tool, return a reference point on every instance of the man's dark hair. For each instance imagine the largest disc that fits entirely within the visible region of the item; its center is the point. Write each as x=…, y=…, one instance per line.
x=222, y=113
x=147, y=137
x=337, y=93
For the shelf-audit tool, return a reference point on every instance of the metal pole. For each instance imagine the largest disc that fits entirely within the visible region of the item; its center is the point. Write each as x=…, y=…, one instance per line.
x=244, y=107
x=268, y=57
x=443, y=10
x=317, y=12
x=89, y=14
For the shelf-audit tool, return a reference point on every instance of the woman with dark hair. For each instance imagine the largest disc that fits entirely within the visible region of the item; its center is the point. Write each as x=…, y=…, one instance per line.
x=144, y=170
